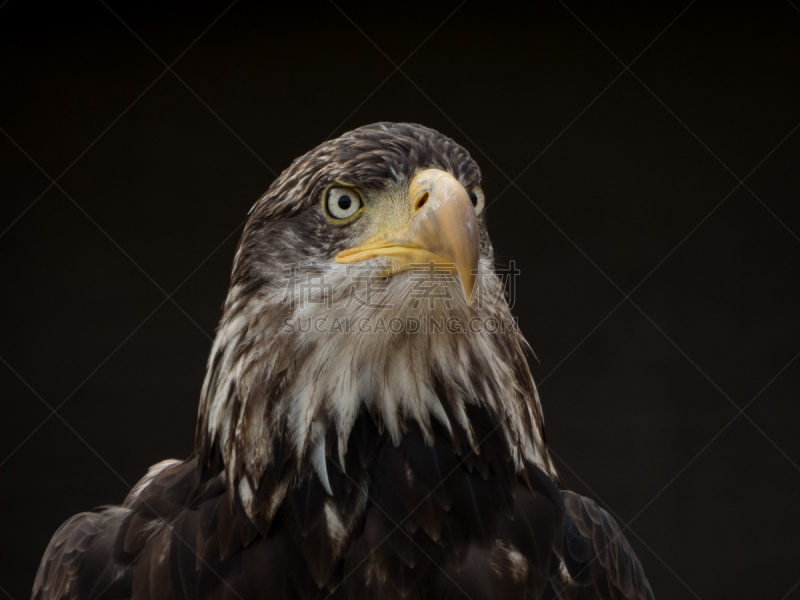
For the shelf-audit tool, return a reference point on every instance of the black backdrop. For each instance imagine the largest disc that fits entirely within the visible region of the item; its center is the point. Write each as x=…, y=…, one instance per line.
x=624, y=182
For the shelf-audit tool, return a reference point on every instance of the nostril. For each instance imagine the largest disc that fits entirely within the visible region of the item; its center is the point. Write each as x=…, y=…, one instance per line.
x=421, y=201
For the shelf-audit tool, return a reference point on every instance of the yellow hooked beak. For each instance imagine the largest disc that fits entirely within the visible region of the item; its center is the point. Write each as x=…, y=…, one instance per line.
x=442, y=230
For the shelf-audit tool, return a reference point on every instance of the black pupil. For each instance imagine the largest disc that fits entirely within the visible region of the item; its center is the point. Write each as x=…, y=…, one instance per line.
x=474, y=197
x=345, y=202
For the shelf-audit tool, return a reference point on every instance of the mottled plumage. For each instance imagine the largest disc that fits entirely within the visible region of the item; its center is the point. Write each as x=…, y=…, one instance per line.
x=381, y=464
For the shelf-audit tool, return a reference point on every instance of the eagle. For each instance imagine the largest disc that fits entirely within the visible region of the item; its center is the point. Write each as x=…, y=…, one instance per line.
x=362, y=433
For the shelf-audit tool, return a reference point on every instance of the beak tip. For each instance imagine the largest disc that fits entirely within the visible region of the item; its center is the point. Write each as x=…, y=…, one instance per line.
x=468, y=287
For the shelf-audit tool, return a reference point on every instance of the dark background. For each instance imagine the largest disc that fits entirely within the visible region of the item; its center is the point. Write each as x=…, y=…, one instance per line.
x=625, y=176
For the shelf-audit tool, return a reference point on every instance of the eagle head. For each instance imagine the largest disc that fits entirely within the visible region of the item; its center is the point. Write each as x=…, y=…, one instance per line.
x=363, y=284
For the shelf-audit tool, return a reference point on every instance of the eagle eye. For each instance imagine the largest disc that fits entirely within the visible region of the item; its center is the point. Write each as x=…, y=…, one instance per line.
x=477, y=198
x=342, y=203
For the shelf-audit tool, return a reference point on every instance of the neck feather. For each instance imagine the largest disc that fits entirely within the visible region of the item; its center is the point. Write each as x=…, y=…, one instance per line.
x=279, y=390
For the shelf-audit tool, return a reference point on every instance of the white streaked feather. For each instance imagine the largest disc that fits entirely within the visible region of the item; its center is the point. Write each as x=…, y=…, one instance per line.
x=318, y=458
x=332, y=377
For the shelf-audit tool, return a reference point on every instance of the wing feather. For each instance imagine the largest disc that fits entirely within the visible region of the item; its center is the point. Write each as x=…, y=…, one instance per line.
x=80, y=561
x=597, y=560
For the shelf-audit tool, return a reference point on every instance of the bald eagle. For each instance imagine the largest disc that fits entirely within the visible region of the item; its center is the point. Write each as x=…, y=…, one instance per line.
x=335, y=458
